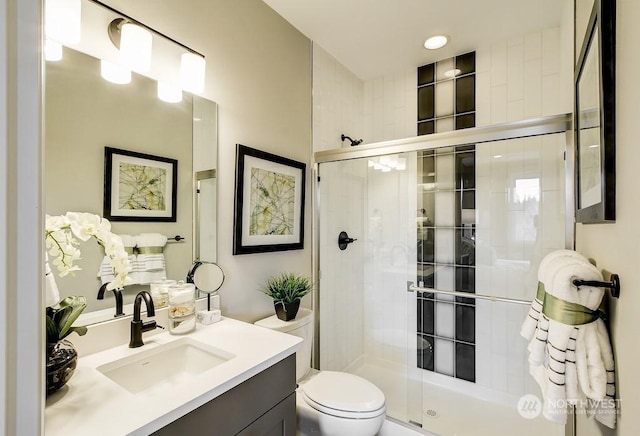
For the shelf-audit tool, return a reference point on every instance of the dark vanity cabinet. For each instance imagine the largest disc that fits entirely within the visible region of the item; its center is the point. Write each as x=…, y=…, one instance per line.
x=264, y=405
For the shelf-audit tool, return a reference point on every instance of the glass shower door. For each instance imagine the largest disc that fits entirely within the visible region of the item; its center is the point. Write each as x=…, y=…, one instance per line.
x=367, y=317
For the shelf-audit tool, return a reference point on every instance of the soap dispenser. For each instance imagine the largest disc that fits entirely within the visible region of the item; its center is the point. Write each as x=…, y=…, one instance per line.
x=182, y=308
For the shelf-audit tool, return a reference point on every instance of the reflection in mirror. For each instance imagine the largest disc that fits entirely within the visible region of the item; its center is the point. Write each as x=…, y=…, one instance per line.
x=85, y=113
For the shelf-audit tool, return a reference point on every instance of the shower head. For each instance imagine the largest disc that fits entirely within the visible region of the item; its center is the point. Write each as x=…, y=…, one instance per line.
x=353, y=142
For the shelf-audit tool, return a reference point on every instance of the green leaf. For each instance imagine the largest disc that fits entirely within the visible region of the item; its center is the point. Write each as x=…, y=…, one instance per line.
x=66, y=313
x=52, y=330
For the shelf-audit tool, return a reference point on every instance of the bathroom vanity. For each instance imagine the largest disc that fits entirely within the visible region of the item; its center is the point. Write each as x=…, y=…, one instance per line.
x=226, y=378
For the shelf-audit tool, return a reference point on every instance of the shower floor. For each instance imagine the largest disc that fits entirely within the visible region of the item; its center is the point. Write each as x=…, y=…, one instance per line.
x=449, y=413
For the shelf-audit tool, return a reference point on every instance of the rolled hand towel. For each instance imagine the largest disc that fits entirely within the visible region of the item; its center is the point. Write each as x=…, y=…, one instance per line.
x=529, y=325
x=537, y=347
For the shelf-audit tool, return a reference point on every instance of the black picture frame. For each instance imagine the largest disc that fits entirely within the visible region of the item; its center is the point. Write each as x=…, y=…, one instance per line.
x=139, y=186
x=594, y=118
x=269, y=202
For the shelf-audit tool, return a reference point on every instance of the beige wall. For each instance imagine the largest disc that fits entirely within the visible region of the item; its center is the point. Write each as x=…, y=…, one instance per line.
x=615, y=246
x=259, y=72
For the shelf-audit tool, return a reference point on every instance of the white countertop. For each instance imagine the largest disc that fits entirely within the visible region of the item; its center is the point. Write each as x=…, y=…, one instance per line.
x=91, y=403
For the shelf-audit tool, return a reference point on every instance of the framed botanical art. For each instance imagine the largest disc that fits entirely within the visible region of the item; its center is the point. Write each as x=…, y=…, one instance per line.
x=139, y=187
x=594, y=118
x=269, y=202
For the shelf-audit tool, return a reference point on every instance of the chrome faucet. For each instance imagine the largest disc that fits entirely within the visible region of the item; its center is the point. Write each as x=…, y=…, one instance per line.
x=137, y=326
x=117, y=294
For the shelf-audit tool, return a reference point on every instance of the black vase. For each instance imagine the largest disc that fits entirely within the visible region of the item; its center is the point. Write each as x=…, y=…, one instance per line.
x=62, y=359
x=287, y=311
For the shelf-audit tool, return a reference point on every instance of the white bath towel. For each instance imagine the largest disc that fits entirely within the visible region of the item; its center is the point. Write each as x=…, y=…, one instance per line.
x=105, y=272
x=150, y=260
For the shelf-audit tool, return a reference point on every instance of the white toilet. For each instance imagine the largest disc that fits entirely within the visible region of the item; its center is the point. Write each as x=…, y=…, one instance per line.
x=329, y=403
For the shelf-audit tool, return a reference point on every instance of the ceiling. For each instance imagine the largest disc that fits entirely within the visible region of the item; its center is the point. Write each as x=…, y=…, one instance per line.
x=373, y=38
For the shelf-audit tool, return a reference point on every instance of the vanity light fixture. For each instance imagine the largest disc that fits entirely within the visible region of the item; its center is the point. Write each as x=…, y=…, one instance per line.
x=62, y=21
x=52, y=50
x=435, y=42
x=169, y=93
x=192, y=71
x=114, y=73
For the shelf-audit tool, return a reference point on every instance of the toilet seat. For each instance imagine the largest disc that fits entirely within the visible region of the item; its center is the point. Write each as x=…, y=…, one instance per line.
x=343, y=395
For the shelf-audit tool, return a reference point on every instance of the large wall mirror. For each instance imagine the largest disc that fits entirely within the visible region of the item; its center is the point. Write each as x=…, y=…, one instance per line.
x=84, y=113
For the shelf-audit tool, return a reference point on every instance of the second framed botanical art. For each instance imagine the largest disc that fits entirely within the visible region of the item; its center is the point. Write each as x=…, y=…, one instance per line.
x=269, y=202
x=139, y=187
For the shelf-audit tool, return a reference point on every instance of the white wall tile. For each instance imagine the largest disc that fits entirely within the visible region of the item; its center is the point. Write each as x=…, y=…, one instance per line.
x=444, y=98
x=515, y=110
x=444, y=125
x=445, y=208
x=444, y=320
x=499, y=64
x=444, y=246
x=445, y=172
x=444, y=357
x=550, y=51
x=499, y=373
x=498, y=104
x=552, y=101
x=483, y=98
x=533, y=46
x=515, y=72
x=533, y=88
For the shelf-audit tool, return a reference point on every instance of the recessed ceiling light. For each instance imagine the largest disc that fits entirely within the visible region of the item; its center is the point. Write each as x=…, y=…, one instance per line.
x=436, y=42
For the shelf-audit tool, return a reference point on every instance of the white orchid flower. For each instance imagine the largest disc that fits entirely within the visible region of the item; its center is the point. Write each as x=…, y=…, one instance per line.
x=61, y=244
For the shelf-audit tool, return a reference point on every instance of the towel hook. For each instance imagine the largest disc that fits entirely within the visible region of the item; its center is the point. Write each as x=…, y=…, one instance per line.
x=613, y=285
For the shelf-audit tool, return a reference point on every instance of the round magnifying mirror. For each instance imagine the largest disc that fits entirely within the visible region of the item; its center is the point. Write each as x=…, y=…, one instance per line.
x=207, y=276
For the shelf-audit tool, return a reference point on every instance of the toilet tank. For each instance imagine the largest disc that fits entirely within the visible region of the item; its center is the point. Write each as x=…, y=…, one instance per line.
x=301, y=326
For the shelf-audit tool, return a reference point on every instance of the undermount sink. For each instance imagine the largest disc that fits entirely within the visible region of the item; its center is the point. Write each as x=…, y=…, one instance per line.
x=164, y=366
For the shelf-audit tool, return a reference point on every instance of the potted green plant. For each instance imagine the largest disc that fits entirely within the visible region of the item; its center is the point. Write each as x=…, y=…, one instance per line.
x=62, y=357
x=286, y=290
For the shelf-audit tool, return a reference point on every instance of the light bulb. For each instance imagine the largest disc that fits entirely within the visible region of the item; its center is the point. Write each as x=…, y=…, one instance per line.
x=114, y=73
x=52, y=50
x=169, y=93
x=192, y=71
x=62, y=21
x=135, y=47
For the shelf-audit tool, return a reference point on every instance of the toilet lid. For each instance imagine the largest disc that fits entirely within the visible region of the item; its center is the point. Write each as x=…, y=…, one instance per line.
x=342, y=394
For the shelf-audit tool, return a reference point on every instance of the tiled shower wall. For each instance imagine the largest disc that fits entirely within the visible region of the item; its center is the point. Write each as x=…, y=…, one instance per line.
x=338, y=98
